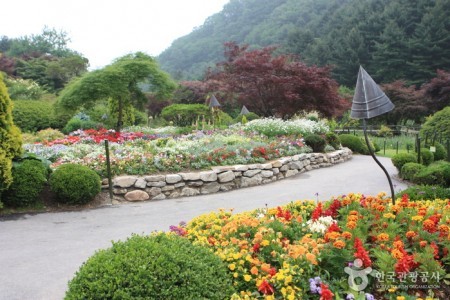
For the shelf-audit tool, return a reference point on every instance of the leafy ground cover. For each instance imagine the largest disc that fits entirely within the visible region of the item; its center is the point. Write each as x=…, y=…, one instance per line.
x=351, y=247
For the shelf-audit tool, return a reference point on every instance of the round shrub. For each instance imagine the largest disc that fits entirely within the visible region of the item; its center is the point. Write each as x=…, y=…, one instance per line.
x=409, y=170
x=48, y=134
x=29, y=178
x=316, y=142
x=75, y=184
x=333, y=140
x=441, y=152
x=355, y=143
x=426, y=156
x=402, y=158
x=76, y=123
x=152, y=267
x=434, y=174
x=249, y=117
x=425, y=192
x=32, y=115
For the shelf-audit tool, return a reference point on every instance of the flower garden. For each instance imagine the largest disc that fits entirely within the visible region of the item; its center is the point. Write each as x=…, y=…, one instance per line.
x=351, y=247
x=140, y=150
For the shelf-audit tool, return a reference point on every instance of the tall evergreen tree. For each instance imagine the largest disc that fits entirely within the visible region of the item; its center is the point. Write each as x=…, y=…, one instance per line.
x=10, y=138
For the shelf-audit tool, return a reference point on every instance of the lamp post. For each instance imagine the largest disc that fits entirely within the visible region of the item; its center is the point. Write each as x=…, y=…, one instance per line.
x=368, y=102
x=214, y=105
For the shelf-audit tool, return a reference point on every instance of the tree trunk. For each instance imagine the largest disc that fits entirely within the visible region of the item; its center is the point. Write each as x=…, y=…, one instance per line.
x=120, y=116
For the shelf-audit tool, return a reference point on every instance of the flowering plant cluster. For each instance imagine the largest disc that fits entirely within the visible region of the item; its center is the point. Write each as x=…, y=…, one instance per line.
x=306, y=250
x=276, y=127
x=141, y=153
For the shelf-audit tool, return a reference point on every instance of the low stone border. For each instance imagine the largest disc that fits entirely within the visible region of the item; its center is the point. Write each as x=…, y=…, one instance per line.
x=223, y=178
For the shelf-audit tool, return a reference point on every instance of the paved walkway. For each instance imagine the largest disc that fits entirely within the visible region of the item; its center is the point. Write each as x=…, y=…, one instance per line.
x=40, y=253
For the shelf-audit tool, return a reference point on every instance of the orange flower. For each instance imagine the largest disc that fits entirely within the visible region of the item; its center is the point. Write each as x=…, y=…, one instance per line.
x=429, y=225
x=296, y=251
x=265, y=268
x=311, y=258
x=339, y=244
x=423, y=243
x=332, y=236
x=351, y=225
x=410, y=234
x=352, y=218
x=383, y=237
x=398, y=244
x=397, y=254
x=254, y=270
x=444, y=228
x=346, y=235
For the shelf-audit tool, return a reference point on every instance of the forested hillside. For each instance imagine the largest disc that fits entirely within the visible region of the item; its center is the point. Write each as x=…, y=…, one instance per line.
x=392, y=39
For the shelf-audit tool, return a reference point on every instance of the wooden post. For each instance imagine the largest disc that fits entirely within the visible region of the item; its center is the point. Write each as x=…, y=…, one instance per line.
x=108, y=171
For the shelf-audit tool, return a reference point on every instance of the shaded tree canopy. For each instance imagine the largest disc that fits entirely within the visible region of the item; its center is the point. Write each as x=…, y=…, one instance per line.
x=119, y=83
x=274, y=85
x=43, y=58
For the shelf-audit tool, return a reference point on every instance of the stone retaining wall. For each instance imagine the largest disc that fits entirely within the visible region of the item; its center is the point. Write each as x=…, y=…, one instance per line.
x=223, y=178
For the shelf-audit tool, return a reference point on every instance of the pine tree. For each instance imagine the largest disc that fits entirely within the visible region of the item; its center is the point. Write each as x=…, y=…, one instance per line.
x=10, y=138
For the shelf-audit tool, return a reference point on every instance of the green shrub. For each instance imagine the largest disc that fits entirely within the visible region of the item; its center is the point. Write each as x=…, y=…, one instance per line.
x=439, y=122
x=333, y=140
x=185, y=114
x=224, y=118
x=440, y=153
x=152, y=267
x=402, y=158
x=426, y=156
x=425, y=192
x=435, y=174
x=385, y=131
x=75, y=184
x=355, y=143
x=29, y=178
x=316, y=142
x=32, y=116
x=48, y=134
x=76, y=123
x=249, y=117
x=410, y=170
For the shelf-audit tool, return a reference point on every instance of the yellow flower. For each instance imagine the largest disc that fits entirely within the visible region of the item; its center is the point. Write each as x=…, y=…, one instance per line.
x=265, y=243
x=247, y=277
x=389, y=216
x=235, y=274
x=392, y=289
x=401, y=298
x=417, y=218
x=232, y=267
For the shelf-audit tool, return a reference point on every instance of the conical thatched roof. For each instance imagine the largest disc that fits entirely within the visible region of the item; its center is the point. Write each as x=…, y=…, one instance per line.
x=244, y=111
x=213, y=102
x=369, y=100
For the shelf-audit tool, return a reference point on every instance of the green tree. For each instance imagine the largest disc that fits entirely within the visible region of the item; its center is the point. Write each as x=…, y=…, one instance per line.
x=119, y=83
x=10, y=138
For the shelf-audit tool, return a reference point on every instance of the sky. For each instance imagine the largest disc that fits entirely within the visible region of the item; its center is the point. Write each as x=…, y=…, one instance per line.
x=103, y=30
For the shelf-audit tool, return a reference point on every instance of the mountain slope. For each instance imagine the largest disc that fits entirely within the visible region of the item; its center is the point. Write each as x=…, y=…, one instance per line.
x=392, y=39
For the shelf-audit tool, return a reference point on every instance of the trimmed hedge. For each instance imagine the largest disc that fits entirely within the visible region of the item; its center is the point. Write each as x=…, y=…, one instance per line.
x=410, y=170
x=437, y=173
x=425, y=192
x=355, y=143
x=75, y=184
x=32, y=115
x=426, y=156
x=29, y=178
x=152, y=267
x=316, y=142
x=402, y=158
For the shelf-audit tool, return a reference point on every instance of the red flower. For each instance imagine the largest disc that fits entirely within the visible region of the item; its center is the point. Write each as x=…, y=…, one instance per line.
x=256, y=247
x=317, y=212
x=333, y=209
x=404, y=265
x=266, y=288
x=284, y=214
x=325, y=293
x=334, y=228
x=272, y=271
x=362, y=253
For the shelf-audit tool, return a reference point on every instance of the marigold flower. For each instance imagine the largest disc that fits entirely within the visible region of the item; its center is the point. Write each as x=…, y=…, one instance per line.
x=265, y=243
x=351, y=225
x=398, y=244
x=397, y=254
x=389, y=216
x=346, y=235
x=410, y=234
x=311, y=258
x=429, y=225
x=417, y=218
x=444, y=228
x=383, y=237
x=247, y=277
x=232, y=267
x=423, y=243
x=332, y=236
x=339, y=244
x=254, y=270
x=353, y=218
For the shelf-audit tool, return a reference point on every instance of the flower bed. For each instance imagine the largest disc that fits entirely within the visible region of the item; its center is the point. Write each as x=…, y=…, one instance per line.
x=352, y=247
x=137, y=153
